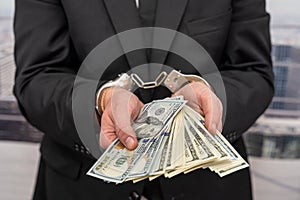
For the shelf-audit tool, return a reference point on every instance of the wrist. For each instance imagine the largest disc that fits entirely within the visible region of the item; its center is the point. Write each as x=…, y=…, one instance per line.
x=106, y=97
x=122, y=81
x=103, y=99
x=204, y=83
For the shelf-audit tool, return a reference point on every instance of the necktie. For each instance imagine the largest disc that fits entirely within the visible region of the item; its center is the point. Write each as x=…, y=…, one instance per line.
x=147, y=9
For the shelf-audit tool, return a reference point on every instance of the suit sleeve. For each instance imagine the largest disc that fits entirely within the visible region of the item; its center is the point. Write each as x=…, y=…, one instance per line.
x=247, y=70
x=46, y=68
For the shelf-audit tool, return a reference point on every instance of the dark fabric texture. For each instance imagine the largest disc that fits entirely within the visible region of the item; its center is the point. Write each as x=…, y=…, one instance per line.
x=53, y=37
x=147, y=10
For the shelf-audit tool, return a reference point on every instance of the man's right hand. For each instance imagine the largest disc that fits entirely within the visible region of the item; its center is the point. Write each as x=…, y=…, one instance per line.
x=121, y=108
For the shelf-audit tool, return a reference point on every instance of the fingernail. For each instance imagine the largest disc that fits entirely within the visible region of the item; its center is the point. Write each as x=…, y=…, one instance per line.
x=129, y=142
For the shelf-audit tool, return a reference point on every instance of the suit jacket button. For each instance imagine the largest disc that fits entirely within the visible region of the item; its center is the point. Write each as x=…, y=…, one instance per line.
x=76, y=146
x=234, y=135
x=134, y=196
x=87, y=151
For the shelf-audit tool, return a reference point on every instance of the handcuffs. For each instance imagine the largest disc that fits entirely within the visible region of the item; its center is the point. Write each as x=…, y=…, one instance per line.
x=173, y=81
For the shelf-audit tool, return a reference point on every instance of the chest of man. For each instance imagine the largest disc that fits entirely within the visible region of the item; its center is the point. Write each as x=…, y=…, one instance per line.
x=91, y=22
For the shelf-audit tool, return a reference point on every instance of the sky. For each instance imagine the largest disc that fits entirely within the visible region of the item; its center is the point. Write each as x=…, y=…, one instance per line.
x=282, y=11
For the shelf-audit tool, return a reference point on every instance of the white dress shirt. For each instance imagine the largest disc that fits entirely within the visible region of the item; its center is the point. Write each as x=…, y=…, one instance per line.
x=137, y=3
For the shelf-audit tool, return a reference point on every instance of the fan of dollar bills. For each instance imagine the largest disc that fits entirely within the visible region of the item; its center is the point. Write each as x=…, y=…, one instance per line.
x=172, y=139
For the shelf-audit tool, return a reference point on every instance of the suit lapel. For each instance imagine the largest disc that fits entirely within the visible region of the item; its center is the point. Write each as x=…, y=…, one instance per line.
x=168, y=15
x=124, y=16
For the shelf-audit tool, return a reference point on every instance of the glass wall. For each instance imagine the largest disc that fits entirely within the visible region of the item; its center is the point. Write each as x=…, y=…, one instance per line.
x=19, y=145
x=12, y=125
x=273, y=143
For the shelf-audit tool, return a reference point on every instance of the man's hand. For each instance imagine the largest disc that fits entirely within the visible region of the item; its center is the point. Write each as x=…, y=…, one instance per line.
x=204, y=101
x=121, y=108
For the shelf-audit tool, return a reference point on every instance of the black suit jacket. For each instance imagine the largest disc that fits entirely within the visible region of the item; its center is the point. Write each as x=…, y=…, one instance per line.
x=53, y=37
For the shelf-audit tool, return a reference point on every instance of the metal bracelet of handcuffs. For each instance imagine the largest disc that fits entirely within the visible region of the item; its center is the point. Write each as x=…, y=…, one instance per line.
x=173, y=81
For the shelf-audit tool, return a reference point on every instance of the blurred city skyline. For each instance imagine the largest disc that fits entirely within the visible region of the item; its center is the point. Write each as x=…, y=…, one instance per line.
x=282, y=13
x=273, y=143
x=7, y=8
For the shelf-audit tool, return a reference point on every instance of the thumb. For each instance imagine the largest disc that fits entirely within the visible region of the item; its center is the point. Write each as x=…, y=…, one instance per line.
x=124, y=130
x=127, y=137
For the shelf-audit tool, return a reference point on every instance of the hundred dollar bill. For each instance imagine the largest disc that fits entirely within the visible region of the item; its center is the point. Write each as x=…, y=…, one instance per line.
x=117, y=161
x=227, y=166
x=197, y=122
x=152, y=160
x=155, y=115
x=159, y=166
x=143, y=166
x=191, y=157
x=237, y=162
x=190, y=151
x=160, y=158
x=153, y=118
x=172, y=139
x=178, y=158
x=232, y=160
x=167, y=165
x=204, y=152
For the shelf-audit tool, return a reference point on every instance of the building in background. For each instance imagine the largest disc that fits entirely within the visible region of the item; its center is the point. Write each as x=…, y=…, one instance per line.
x=273, y=142
x=277, y=133
x=13, y=125
x=7, y=67
x=277, y=138
x=286, y=61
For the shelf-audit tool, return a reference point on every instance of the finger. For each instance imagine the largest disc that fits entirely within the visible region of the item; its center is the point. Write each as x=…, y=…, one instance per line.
x=210, y=110
x=212, y=121
x=212, y=128
x=220, y=109
x=220, y=127
x=124, y=130
x=216, y=119
x=192, y=104
x=106, y=139
x=136, y=108
x=128, y=140
x=189, y=93
x=107, y=132
x=123, y=108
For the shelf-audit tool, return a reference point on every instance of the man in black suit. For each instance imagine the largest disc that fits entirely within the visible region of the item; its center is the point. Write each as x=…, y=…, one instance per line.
x=53, y=37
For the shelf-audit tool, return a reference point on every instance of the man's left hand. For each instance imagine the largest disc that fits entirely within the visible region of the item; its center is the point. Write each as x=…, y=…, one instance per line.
x=204, y=101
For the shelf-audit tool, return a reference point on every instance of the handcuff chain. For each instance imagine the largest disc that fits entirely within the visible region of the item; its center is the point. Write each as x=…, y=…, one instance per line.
x=147, y=85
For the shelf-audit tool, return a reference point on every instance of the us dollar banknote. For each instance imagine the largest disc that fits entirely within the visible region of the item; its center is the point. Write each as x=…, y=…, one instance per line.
x=172, y=139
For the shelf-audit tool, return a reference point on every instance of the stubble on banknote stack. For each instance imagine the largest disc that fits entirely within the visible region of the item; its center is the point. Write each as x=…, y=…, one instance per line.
x=172, y=139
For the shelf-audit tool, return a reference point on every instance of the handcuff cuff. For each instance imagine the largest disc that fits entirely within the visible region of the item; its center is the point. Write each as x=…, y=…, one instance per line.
x=173, y=81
